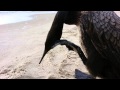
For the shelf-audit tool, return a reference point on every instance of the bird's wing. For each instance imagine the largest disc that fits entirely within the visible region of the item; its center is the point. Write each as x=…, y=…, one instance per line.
x=105, y=34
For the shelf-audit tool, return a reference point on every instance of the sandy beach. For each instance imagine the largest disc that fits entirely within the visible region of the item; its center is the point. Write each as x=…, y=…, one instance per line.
x=22, y=46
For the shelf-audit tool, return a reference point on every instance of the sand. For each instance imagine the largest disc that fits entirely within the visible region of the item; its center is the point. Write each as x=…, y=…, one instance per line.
x=22, y=46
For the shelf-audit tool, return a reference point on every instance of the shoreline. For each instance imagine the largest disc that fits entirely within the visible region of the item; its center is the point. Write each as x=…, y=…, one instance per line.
x=34, y=17
x=20, y=16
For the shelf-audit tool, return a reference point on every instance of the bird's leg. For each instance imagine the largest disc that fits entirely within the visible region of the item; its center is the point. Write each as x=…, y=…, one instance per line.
x=72, y=46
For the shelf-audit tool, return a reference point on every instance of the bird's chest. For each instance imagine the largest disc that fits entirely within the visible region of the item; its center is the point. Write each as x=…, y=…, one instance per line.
x=87, y=39
x=83, y=38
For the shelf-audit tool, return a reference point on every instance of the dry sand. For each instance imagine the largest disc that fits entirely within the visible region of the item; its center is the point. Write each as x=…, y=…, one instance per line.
x=22, y=46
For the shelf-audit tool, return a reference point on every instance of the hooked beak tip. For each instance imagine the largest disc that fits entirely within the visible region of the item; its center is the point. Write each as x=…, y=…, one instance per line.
x=41, y=59
x=43, y=56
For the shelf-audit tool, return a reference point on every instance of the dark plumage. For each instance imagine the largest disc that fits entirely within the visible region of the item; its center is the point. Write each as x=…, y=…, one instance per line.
x=100, y=32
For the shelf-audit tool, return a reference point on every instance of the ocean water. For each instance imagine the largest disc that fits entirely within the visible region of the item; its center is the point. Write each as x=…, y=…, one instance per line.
x=7, y=17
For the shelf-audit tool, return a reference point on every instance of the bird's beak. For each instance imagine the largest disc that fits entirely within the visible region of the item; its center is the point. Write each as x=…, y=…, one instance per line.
x=55, y=32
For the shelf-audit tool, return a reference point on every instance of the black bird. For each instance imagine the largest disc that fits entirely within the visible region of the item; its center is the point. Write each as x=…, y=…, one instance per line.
x=100, y=32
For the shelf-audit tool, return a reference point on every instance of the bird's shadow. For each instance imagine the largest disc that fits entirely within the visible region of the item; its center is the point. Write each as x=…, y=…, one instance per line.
x=81, y=75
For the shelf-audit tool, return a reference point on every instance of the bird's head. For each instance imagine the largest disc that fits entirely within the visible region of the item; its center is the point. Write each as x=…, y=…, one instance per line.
x=55, y=33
